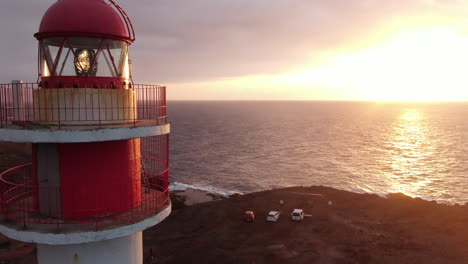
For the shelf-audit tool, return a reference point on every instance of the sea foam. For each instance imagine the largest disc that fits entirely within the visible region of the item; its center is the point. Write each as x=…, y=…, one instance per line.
x=178, y=186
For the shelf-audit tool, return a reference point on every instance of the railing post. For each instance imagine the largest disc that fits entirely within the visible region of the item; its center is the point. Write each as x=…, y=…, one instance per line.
x=18, y=104
x=3, y=106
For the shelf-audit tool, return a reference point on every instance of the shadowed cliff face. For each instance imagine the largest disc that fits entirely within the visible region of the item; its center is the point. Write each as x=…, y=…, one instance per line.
x=356, y=228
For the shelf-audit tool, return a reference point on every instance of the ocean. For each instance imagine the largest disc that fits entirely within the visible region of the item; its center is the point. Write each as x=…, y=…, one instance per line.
x=419, y=149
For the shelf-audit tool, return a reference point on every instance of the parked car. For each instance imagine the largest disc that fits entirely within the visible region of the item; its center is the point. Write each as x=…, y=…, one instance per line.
x=249, y=216
x=297, y=215
x=272, y=216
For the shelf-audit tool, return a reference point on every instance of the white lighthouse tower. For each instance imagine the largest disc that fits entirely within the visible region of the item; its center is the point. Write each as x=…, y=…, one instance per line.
x=99, y=170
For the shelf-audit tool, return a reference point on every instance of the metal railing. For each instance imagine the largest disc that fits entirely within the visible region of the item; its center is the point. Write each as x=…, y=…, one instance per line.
x=32, y=205
x=26, y=104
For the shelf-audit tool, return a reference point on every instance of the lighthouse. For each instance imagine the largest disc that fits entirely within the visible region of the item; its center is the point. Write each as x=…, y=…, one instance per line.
x=99, y=169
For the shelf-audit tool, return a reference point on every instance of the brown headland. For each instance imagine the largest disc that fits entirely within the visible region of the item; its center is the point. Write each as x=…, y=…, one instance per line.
x=339, y=227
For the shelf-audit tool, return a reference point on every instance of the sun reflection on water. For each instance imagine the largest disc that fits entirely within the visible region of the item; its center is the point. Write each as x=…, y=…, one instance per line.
x=410, y=150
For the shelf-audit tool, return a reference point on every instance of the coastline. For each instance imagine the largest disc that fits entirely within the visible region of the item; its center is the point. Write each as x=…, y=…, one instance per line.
x=353, y=228
x=339, y=227
x=188, y=197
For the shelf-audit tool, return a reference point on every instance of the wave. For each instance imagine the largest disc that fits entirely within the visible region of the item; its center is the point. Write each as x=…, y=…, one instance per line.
x=178, y=186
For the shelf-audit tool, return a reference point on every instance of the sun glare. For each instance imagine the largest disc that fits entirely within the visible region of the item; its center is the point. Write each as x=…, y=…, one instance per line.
x=424, y=66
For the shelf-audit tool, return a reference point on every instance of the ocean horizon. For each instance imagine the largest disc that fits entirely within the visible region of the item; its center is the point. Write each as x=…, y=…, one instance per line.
x=416, y=148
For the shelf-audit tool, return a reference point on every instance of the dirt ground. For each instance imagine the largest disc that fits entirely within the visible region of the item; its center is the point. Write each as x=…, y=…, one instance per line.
x=14, y=154
x=355, y=228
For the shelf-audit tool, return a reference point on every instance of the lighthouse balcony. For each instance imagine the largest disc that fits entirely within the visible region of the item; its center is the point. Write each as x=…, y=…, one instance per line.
x=30, y=106
x=28, y=203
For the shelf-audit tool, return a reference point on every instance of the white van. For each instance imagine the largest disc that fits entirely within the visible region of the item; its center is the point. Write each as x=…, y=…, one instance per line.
x=297, y=215
x=272, y=216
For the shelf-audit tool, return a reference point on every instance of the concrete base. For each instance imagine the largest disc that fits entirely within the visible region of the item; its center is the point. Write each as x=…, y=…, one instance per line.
x=122, y=250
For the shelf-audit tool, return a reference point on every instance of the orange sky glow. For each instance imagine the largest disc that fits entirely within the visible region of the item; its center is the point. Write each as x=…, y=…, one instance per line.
x=412, y=60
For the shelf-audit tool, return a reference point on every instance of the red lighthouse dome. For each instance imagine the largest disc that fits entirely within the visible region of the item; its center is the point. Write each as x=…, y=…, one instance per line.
x=91, y=18
x=84, y=44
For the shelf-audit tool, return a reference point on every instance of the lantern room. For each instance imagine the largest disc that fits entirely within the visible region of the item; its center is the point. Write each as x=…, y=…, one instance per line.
x=84, y=44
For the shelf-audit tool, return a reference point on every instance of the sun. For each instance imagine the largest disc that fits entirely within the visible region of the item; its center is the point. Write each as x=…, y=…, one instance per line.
x=427, y=65
x=423, y=66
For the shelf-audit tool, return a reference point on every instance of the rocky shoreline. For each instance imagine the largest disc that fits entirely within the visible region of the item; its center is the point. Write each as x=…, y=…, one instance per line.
x=184, y=198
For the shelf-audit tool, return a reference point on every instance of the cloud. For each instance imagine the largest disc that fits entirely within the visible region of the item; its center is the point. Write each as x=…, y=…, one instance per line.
x=200, y=40
x=206, y=39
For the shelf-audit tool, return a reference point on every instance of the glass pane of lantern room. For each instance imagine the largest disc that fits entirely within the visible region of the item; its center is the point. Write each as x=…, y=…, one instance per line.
x=43, y=68
x=106, y=64
x=110, y=59
x=49, y=52
x=65, y=65
x=119, y=51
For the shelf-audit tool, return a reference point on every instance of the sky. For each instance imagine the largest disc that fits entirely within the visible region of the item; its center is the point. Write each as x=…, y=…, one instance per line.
x=399, y=50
